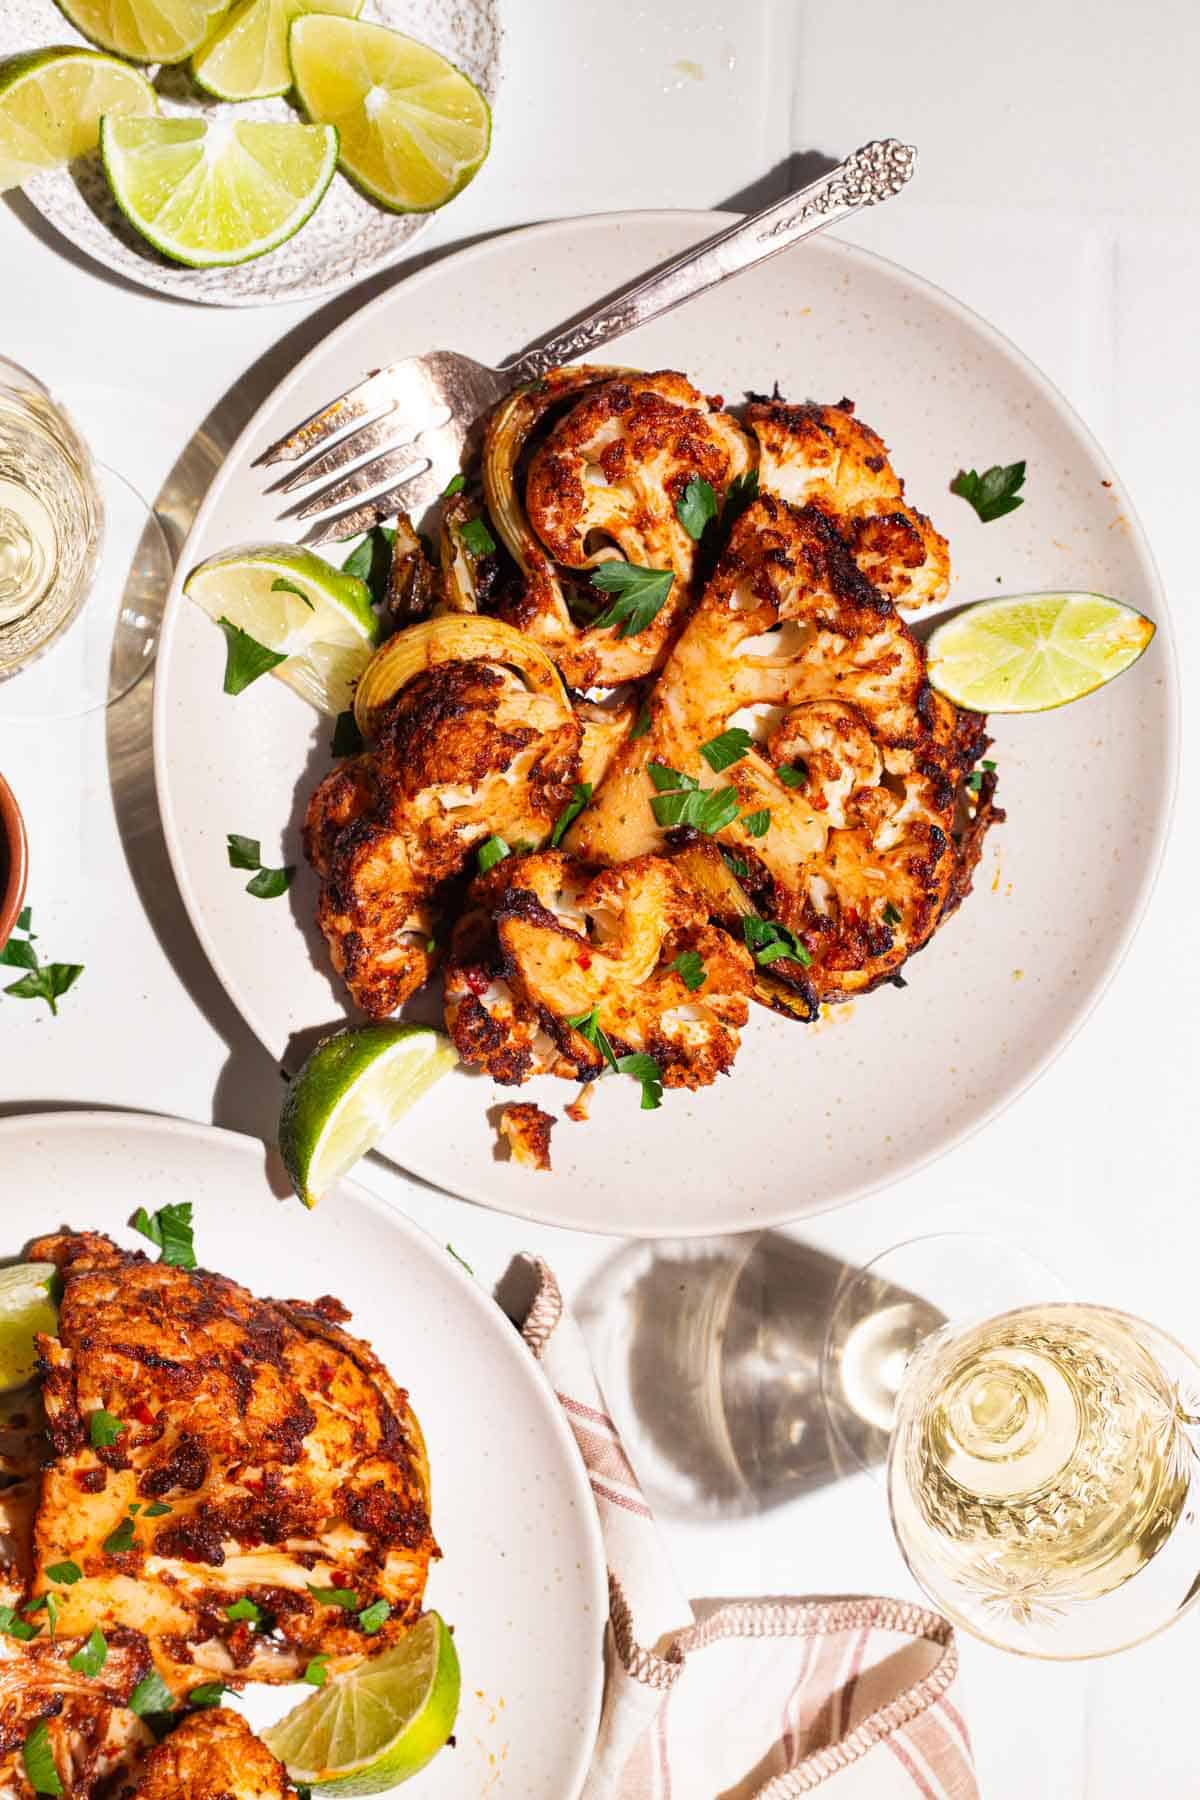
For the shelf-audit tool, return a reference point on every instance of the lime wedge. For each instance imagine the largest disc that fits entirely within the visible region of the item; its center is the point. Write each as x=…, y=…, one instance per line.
x=25, y=1308
x=413, y=129
x=146, y=30
x=369, y=1730
x=353, y=1088
x=50, y=107
x=1034, y=652
x=247, y=56
x=219, y=192
x=299, y=606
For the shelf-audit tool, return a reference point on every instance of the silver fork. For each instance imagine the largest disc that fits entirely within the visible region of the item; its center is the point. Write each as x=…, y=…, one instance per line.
x=418, y=413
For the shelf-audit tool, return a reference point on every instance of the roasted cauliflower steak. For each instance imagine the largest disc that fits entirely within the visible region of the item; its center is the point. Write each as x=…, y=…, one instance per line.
x=546, y=941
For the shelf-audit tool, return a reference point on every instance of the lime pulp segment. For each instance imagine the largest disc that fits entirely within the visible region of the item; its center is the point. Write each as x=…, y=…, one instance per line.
x=26, y=1307
x=165, y=31
x=413, y=129
x=1034, y=652
x=51, y=102
x=247, y=56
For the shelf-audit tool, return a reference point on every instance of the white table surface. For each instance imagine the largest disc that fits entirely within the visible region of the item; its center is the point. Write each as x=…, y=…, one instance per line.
x=1057, y=195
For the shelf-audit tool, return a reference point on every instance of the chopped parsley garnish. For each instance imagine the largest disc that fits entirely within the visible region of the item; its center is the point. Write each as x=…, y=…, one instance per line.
x=104, y=1429
x=280, y=586
x=455, y=485
x=37, y=1754
x=151, y=1695
x=892, y=914
x=644, y=1069
x=460, y=1259
x=120, y=1540
x=347, y=738
x=372, y=1617
x=171, y=1229
x=974, y=781
x=642, y=723
x=476, y=536
x=741, y=493
x=727, y=748
x=91, y=1658
x=581, y=793
x=14, y=1627
x=246, y=853
x=681, y=800
x=640, y=595
x=696, y=507
x=993, y=493
x=588, y=1026
x=42, y=981
x=371, y=561
x=209, y=1693
x=793, y=775
x=491, y=852
x=346, y=1598
x=768, y=942
x=689, y=966
x=67, y=1573
x=989, y=766
x=757, y=823
x=244, y=1609
x=735, y=864
x=315, y=1674
x=158, y=1510
x=245, y=658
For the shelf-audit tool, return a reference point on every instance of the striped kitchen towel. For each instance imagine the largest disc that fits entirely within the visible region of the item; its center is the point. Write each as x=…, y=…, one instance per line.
x=756, y=1699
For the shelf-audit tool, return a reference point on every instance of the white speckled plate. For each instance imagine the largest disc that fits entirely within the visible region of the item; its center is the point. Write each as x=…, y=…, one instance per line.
x=522, y=1579
x=811, y=1116
x=347, y=238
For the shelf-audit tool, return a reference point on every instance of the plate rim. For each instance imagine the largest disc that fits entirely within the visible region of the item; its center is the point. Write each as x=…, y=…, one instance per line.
x=1151, y=864
x=154, y=1125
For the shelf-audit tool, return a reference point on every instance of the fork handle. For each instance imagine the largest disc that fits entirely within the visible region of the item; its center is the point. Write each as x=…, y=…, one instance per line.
x=874, y=173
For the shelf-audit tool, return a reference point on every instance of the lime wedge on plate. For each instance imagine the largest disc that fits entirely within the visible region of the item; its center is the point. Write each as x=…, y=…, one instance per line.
x=147, y=30
x=1034, y=652
x=25, y=1308
x=413, y=129
x=247, y=56
x=218, y=192
x=350, y=1092
x=367, y=1731
x=299, y=606
x=50, y=107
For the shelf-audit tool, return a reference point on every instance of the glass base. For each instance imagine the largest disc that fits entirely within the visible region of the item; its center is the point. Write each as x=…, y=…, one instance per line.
x=112, y=642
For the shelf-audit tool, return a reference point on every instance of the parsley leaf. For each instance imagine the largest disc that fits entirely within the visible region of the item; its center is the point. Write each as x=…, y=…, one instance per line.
x=371, y=561
x=708, y=809
x=989, y=766
x=120, y=1540
x=158, y=1510
x=793, y=775
x=643, y=1068
x=347, y=738
x=892, y=914
x=315, y=1674
x=757, y=823
x=588, y=1026
x=209, y=1693
x=25, y=920
x=245, y=658
x=689, y=966
x=104, y=1429
x=491, y=852
x=151, y=1695
x=974, y=781
x=14, y=1627
x=768, y=942
x=43, y=981
x=372, y=1617
x=171, y=1229
x=68, y=1573
x=696, y=506
x=460, y=1259
x=642, y=723
x=727, y=748
x=476, y=536
x=993, y=493
x=455, y=485
x=346, y=1598
x=280, y=586
x=735, y=864
x=741, y=493
x=18, y=953
x=640, y=595
x=581, y=793
x=268, y=884
x=668, y=780
x=244, y=1609
x=91, y=1658
x=37, y=1754
x=243, y=852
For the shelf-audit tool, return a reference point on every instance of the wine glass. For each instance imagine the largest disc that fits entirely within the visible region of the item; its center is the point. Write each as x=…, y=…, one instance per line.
x=71, y=531
x=1043, y=1455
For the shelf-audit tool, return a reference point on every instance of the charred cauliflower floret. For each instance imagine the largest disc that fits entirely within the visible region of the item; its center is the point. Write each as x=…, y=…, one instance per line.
x=823, y=456
x=465, y=751
x=212, y=1755
x=844, y=809
x=547, y=941
x=526, y=1130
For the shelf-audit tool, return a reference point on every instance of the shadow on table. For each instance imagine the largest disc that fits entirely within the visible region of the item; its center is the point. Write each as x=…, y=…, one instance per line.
x=711, y=1356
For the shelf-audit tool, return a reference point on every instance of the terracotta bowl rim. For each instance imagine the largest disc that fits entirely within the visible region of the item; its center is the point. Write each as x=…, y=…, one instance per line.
x=12, y=826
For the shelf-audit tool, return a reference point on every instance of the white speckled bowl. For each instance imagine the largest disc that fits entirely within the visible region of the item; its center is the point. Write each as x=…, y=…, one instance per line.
x=347, y=238
x=522, y=1579
x=811, y=1116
